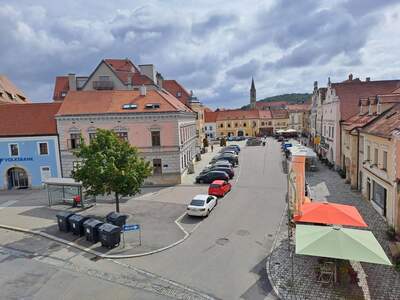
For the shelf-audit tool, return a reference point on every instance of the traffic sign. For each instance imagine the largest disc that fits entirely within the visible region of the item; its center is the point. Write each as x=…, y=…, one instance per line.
x=131, y=227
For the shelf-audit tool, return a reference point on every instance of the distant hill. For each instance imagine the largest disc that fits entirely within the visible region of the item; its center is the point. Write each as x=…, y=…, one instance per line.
x=290, y=98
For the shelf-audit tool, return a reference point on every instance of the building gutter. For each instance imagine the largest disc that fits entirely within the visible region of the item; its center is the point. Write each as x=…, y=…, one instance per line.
x=358, y=157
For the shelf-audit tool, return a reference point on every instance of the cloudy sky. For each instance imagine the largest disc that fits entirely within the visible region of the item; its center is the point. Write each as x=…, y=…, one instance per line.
x=213, y=47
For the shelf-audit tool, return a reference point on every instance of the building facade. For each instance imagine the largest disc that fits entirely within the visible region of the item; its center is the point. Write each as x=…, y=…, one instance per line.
x=160, y=126
x=29, y=151
x=210, y=124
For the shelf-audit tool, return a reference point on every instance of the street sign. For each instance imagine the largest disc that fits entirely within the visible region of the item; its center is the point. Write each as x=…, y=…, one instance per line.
x=131, y=227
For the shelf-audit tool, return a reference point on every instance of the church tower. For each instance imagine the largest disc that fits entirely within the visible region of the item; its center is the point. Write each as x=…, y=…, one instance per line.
x=252, y=95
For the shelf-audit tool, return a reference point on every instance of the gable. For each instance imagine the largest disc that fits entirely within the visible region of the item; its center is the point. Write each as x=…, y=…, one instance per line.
x=103, y=70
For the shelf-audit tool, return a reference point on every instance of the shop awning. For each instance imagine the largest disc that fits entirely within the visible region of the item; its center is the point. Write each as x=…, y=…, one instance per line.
x=330, y=213
x=342, y=243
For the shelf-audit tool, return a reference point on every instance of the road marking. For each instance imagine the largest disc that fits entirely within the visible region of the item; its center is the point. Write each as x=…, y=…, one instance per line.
x=7, y=204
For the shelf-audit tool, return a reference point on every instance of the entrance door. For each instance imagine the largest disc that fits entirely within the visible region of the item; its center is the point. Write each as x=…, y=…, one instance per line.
x=240, y=133
x=157, y=166
x=45, y=173
x=17, y=178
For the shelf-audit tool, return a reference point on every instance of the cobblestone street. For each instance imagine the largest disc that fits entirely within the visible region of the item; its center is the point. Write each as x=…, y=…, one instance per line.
x=383, y=281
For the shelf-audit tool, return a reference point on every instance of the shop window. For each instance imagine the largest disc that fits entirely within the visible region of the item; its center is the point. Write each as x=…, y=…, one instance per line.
x=14, y=150
x=43, y=148
x=155, y=139
x=157, y=166
x=379, y=197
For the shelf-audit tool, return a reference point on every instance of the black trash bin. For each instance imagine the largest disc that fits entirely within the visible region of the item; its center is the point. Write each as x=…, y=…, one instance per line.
x=63, y=220
x=76, y=224
x=116, y=219
x=110, y=235
x=91, y=228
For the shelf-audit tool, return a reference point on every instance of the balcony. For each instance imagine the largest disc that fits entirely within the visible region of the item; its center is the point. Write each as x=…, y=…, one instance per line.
x=103, y=85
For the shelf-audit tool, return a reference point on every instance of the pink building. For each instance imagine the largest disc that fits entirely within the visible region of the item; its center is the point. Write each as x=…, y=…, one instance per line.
x=158, y=124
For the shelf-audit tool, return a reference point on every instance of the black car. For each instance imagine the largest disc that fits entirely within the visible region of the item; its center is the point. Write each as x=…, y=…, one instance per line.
x=227, y=149
x=226, y=156
x=211, y=176
x=225, y=169
x=236, y=147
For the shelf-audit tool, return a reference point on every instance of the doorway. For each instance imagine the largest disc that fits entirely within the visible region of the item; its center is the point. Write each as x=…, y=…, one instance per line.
x=17, y=178
x=240, y=133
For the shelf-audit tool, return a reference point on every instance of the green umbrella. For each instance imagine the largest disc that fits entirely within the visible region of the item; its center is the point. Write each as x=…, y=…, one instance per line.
x=338, y=242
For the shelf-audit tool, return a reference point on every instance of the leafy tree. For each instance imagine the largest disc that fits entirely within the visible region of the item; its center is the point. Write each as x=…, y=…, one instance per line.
x=110, y=165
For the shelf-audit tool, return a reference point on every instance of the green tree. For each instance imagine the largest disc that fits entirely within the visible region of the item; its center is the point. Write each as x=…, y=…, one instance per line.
x=110, y=165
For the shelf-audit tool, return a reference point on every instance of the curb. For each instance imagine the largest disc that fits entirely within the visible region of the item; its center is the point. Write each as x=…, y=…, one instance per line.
x=267, y=265
x=90, y=251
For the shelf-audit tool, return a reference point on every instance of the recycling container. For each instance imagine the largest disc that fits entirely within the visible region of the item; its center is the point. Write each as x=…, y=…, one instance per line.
x=63, y=220
x=116, y=219
x=110, y=235
x=91, y=229
x=76, y=224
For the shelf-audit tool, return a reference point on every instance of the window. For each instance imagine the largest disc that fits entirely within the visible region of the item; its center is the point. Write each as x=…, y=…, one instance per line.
x=368, y=153
x=43, y=148
x=244, y=124
x=236, y=124
x=14, y=151
x=152, y=106
x=157, y=167
x=262, y=123
x=74, y=141
x=229, y=125
x=221, y=126
x=333, y=131
x=269, y=123
x=155, y=139
x=92, y=135
x=376, y=156
x=104, y=78
x=384, y=161
x=63, y=94
x=123, y=135
x=178, y=94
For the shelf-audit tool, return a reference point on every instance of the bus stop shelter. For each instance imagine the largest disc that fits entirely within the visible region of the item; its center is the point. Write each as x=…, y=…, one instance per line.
x=67, y=191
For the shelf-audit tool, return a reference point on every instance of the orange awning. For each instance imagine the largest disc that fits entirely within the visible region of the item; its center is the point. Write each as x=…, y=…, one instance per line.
x=330, y=213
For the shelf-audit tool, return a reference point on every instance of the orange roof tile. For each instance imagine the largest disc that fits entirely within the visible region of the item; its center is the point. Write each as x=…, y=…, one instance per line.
x=61, y=86
x=174, y=88
x=350, y=92
x=298, y=107
x=9, y=93
x=103, y=102
x=386, y=123
x=210, y=116
x=28, y=119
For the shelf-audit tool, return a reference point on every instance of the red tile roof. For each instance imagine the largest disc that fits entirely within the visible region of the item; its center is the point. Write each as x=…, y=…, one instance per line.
x=386, y=123
x=28, y=119
x=237, y=114
x=210, y=116
x=358, y=121
x=9, y=93
x=298, y=107
x=124, y=68
x=350, y=93
x=279, y=114
x=103, y=102
x=61, y=86
x=174, y=88
x=264, y=105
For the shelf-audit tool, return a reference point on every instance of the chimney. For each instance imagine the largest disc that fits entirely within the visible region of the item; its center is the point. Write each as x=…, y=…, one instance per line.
x=368, y=79
x=129, y=81
x=372, y=106
x=149, y=71
x=160, y=80
x=363, y=103
x=315, y=85
x=142, y=90
x=350, y=77
x=329, y=81
x=72, y=82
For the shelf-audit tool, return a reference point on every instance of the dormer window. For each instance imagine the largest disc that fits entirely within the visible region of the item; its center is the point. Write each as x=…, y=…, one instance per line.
x=129, y=106
x=379, y=108
x=152, y=106
x=178, y=94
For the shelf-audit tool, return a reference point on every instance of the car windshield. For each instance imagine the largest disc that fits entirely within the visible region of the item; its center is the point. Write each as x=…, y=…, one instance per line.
x=197, y=202
x=215, y=185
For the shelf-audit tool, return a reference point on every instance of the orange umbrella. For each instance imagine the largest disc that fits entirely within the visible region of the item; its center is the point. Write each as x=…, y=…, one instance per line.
x=330, y=213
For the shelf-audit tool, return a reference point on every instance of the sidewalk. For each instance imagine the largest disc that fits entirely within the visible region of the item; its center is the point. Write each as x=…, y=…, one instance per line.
x=382, y=282
x=159, y=223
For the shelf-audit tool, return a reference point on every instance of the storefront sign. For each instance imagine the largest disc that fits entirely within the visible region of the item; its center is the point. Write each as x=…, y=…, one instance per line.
x=12, y=159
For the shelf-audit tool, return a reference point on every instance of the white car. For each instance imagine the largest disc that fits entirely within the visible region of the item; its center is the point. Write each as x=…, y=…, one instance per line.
x=201, y=205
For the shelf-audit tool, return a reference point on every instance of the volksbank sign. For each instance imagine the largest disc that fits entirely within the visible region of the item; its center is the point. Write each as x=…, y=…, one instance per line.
x=11, y=159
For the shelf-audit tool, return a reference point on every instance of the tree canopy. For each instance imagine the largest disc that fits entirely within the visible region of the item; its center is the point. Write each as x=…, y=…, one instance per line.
x=108, y=165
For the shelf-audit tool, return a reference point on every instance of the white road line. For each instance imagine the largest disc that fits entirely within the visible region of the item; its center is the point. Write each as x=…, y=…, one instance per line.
x=7, y=204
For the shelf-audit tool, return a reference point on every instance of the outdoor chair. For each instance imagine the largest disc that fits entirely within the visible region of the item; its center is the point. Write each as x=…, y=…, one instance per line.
x=327, y=273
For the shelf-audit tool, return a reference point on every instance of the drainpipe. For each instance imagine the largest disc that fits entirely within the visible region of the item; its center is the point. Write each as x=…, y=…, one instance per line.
x=358, y=157
x=340, y=140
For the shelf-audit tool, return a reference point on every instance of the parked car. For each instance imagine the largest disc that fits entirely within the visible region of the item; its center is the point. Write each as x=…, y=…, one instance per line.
x=226, y=169
x=211, y=176
x=201, y=205
x=253, y=142
x=222, y=163
x=233, y=152
x=228, y=149
x=219, y=188
x=237, y=147
x=233, y=159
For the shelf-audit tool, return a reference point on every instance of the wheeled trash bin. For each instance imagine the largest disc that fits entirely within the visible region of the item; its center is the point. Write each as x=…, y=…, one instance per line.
x=110, y=235
x=116, y=219
x=63, y=220
x=76, y=224
x=91, y=229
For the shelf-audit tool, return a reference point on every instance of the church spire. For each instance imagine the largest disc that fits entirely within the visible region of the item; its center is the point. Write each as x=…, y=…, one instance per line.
x=252, y=94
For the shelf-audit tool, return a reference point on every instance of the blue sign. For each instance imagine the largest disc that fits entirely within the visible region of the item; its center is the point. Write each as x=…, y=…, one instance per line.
x=131, y=227
x=9, y=159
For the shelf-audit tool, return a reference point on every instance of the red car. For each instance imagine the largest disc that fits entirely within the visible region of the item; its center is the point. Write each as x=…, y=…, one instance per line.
x=219, y=188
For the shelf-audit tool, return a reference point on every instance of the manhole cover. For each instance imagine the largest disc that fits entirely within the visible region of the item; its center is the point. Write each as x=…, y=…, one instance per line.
x=242, y=232
x=222, y=241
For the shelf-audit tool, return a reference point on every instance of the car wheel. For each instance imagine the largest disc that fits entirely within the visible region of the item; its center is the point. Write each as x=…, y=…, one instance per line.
x=208, y=213
x=201, y=181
